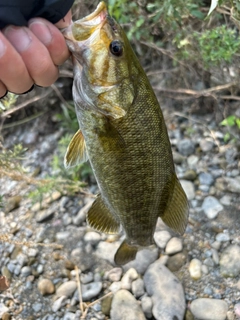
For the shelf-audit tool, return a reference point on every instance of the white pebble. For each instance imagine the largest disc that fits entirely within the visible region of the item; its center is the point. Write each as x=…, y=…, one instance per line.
x=211, y=207
x=147, y=305
x=138, y=288
x=92, y=237
x=3, y=309
x=222, y=237
x=195, y=269
x=161, y=238
x=114, y=274
x=66, y=289
x=215, y=256
x=174, y=245
x=59, y=303
x=115, y=286
x=128, y=278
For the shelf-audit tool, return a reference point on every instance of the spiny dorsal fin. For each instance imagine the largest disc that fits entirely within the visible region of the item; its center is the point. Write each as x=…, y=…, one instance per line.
x=125, y=253
x=101, y=219
x=176, y=213
x=76, y=151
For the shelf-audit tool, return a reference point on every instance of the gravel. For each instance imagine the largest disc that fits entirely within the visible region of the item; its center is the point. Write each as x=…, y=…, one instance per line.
x=50, y=242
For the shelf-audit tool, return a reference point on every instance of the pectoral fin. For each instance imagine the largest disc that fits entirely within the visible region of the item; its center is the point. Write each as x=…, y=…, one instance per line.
x=76, y=151
x=101, y=219
x=176, y=213
x=125, y=253
x=114, y=105
x=110, y=110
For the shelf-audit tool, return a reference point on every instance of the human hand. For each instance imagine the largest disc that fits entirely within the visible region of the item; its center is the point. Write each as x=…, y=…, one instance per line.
x=30, y=55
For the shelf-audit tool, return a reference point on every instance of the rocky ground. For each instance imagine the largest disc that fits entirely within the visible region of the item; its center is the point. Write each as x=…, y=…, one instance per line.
x=58, y=268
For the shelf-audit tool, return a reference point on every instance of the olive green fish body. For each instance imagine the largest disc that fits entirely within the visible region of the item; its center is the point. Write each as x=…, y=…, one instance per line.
x=125, y=138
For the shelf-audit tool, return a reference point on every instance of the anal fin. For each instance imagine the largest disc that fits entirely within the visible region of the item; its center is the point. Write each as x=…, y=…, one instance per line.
x=101, y=219
x=176, y=213
x=76, y=151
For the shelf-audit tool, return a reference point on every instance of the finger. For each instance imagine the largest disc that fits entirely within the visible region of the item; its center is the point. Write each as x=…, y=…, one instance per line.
x=13, y=72
x=3, y=90
x=65, y=22
x=52, y=38
x=34, y=54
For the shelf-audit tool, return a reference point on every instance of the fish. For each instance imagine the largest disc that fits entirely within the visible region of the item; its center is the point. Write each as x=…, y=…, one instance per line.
x=123, y=134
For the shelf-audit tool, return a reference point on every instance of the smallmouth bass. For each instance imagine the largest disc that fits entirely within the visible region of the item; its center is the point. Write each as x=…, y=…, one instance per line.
x=124, y=136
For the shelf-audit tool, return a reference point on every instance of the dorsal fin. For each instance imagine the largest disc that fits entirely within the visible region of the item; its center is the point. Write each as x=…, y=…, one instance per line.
x=101, y=219
x=76, y=151
x=176, y=213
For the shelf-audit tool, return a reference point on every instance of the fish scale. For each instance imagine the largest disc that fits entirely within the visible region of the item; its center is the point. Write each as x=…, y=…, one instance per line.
x=124, y=136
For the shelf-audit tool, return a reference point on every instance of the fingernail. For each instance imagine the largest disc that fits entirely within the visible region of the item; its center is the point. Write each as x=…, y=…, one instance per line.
x=41, y=31
x=4, y=95
x=19, y=37
x=2, y=48
x=29, y=89
x=25, y=91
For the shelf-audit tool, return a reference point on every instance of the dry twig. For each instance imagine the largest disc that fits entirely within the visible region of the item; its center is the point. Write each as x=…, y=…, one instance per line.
x=83, y=306
x=92, y=303
x=200, y=93
x=25, y=103
x=165, y=52
x=79, y=290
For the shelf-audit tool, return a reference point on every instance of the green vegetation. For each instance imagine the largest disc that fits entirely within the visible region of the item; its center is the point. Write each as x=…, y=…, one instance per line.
x=232, y=123
x=219, y=44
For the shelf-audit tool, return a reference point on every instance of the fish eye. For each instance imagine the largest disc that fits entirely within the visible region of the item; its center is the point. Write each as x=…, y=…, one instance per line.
x=116, y=48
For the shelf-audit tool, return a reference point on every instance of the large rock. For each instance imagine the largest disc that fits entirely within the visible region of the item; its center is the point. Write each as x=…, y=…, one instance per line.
x=166, y=292
x=125, y=307
x=230, y=261
x=106, y=250
x=143, y=259
x=209, y=309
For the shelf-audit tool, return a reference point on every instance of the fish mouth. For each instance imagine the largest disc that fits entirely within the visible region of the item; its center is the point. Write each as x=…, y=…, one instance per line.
x=97, y=16
x=83, y=28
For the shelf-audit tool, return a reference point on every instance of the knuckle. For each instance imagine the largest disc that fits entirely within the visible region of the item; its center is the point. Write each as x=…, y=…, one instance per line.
x=46, y=75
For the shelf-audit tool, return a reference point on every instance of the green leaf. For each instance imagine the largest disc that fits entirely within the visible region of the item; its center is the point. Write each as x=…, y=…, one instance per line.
x=238, y=122
x=198, y=14
x=226, y=137
x=229, y=121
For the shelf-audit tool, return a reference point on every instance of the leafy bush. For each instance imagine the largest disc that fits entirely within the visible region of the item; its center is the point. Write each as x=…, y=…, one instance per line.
x=217, y=45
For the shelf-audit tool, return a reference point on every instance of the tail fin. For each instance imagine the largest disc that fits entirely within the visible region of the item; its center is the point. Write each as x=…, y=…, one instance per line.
x=125, y=253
